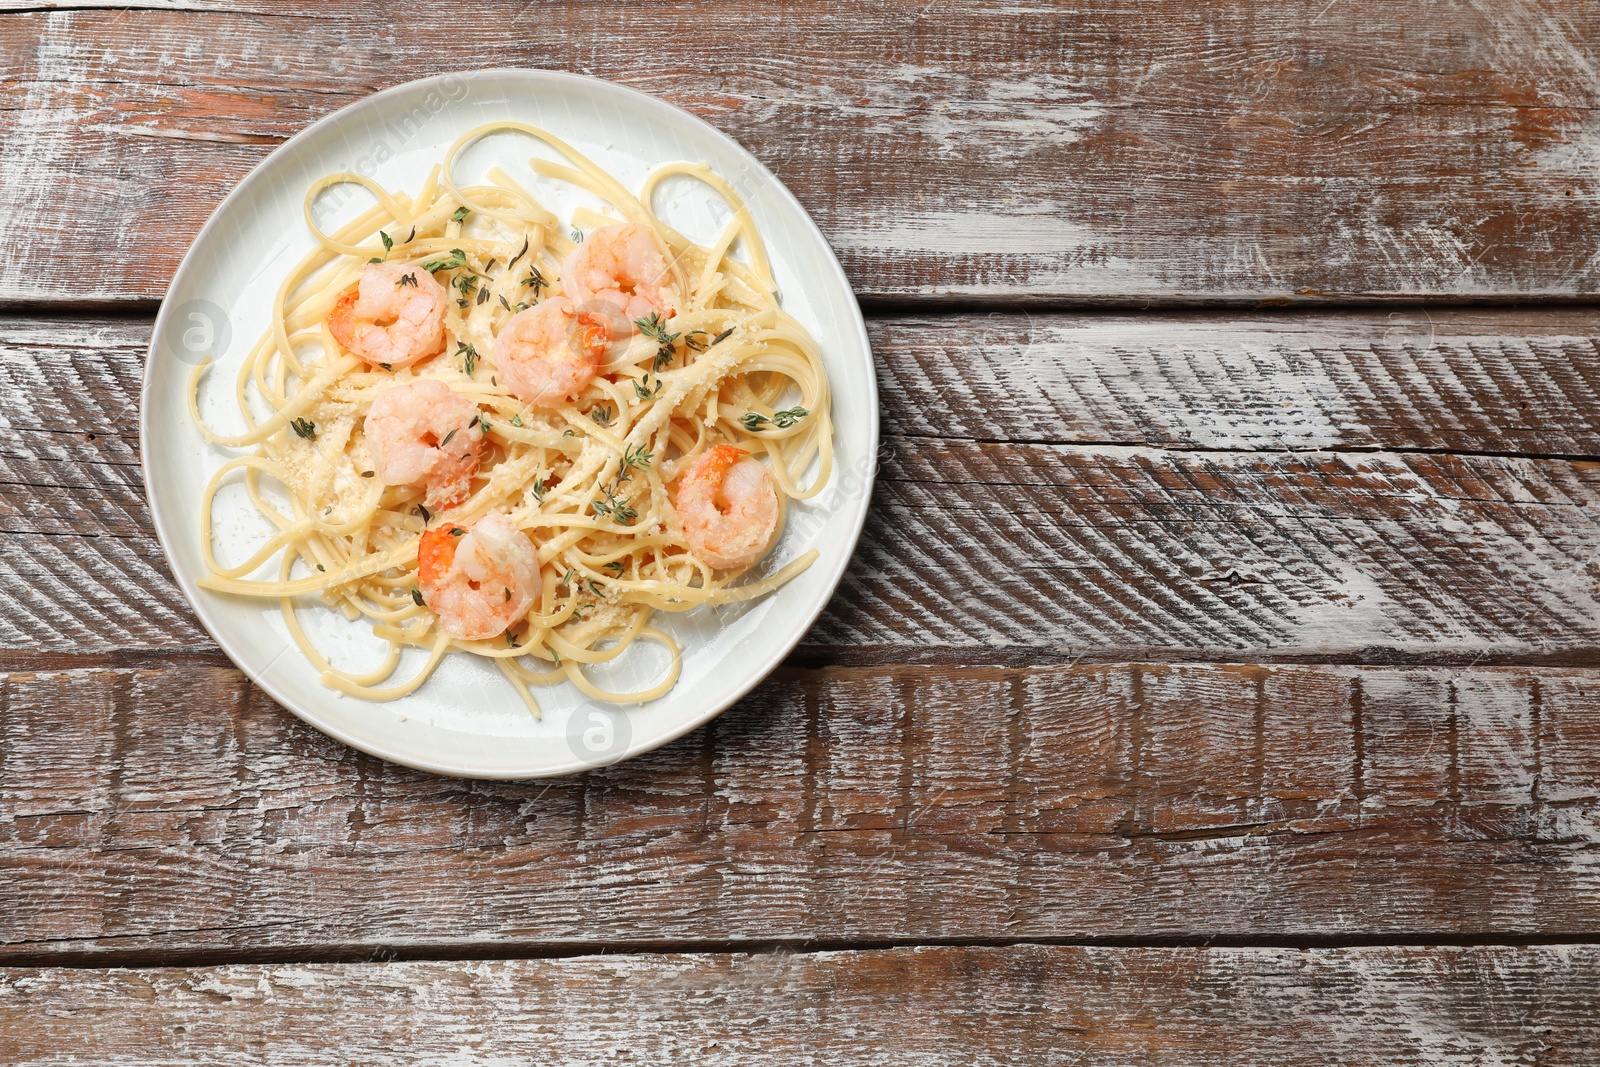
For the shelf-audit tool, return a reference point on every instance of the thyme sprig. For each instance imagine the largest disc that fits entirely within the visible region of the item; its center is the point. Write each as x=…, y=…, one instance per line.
x=634, y=457
x=645, y=389
x=457, y=258
x=613, y=508
x=655, y=328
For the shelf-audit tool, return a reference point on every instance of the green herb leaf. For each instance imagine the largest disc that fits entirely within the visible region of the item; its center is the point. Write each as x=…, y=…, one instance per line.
x=781, y=419
x=457, y=531
x=613, y=508
x=644, y=389
x=388, y=242
x=655, y=328
x=538, y=489
x=635, y=456
x=516, y=420
x=416, y=596
x=469, y=357
x=427, y=516
x=535, y=278
x=483, y=422
x=405, y=280
x=615, y=567
x=458, y=214
x=447, y=437
x=457, y=258
x=484, y=295
x=519, y=255
x=577, y=236
x=602, y=414
x=305, y=428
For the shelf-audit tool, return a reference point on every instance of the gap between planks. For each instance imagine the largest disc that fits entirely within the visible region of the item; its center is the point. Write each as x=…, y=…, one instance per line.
x=378, y=952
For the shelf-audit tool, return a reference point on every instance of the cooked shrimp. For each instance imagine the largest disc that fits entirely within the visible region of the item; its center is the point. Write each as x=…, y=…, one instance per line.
x=550, y=352
x=621, y=266
x=393, y=316
x=728, y=507
x=423, y=434
x=478, y=580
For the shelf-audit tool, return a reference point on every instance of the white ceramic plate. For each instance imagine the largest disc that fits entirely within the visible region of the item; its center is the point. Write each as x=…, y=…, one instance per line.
x=466, y=720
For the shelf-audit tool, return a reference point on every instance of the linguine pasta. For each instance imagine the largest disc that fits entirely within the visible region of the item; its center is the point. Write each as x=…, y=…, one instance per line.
x=592, y=480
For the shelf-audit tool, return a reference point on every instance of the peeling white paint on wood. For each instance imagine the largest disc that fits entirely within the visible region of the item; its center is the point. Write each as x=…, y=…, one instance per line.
x=1108, y=153
x=1010, y=513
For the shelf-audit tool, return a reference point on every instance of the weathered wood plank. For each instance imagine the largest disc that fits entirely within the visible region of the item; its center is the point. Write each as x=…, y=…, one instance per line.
x=966, y=1006
x=1039, y=527
x=1121, y=551
x=1110, y=152
x=1523, y=382
x=169, y=814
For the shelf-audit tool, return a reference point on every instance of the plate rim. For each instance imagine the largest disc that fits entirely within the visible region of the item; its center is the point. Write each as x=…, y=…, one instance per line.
x=446, y=768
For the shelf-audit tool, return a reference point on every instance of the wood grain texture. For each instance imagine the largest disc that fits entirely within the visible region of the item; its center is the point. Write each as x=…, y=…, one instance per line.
x=1118, y=153
x=1517, y=382
x=175, y=815
x=1296, y=507
x=1513, y=1007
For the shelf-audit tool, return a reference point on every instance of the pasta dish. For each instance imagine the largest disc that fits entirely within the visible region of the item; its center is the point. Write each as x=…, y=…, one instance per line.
x=486, y=431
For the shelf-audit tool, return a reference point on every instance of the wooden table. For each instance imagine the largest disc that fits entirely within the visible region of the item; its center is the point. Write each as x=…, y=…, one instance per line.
x=1218, y=680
